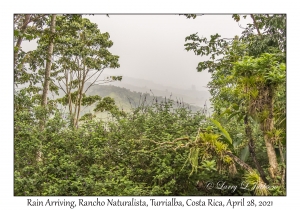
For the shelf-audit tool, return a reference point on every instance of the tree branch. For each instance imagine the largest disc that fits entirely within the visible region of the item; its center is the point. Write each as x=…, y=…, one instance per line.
x=239, y=161
x=255, y=24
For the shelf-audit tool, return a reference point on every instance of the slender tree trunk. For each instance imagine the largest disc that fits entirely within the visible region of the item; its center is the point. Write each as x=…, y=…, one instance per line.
x=20, y=38
x=255, y=24
x=70, y=103
x=48, y=62
x=68, y=91
x=75, y=111
x=80, y=99
x=47, y=78
x=77, y=106
x=78, y=111
x=81, y=76
x=251, y=145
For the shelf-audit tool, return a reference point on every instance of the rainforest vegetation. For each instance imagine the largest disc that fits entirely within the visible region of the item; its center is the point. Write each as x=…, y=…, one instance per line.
x=159, y=146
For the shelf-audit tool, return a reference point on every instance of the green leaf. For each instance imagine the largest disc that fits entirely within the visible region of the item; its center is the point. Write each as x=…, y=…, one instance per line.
x=236, y=17
x=235, y=106
x=232, y=115
x=239, y=141
x=224, y=132
x=240, y=117
x=16, y=33
x=245, y=153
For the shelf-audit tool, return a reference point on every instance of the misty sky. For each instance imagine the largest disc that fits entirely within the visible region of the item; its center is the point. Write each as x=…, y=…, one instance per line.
x=151, y=47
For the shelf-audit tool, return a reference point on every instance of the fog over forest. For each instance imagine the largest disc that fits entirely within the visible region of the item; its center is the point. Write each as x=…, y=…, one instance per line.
x=152, y=54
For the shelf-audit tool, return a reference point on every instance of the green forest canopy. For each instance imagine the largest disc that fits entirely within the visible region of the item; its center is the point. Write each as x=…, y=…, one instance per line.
x=157, y=148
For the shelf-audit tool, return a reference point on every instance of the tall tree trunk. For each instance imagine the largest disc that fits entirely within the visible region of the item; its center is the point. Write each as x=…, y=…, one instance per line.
x=77, y=106
x=81, y=76
x=68, y=92
x=78, y=111
x=283, y=165
x=272, y=157
x=47, y=79
x=80, y=99
x=20, y=38
x=251, y=145
x=267, y=127
x=48, y=62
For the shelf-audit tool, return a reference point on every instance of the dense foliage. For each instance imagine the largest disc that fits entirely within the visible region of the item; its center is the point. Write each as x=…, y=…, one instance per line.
x=157, y=146
x=114, y=158
x=248, y=90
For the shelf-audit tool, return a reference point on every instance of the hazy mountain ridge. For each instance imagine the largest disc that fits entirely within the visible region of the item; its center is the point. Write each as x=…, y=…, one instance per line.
x=127, y=99
x=191, y=96
x=131, y=93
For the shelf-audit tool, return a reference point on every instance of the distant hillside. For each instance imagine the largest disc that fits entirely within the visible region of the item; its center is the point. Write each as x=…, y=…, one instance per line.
x=191, y=96
x=131, y=93
x=126, y=99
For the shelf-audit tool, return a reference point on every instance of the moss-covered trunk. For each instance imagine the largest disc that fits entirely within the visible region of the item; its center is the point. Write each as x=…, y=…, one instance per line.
x=267, y=126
